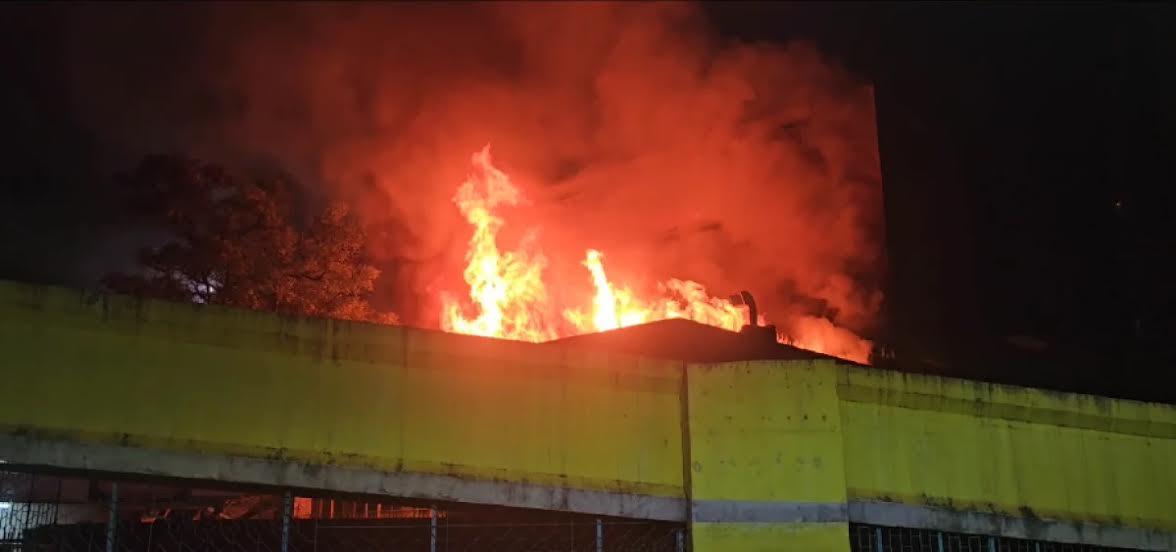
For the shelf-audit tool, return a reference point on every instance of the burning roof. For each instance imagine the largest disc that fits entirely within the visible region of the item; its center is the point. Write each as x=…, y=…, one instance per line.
x=509, y=296
x=680, y=339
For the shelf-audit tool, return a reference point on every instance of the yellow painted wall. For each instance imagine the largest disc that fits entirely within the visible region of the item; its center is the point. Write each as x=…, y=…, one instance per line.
x=113, y=369
x=773, y=537
x=1015, y=451
x=764, y=433
x=819, y=433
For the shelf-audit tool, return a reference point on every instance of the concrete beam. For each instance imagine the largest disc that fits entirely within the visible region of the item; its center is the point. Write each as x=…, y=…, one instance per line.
x=747, y=511
x=978, y=523
x=19, y=449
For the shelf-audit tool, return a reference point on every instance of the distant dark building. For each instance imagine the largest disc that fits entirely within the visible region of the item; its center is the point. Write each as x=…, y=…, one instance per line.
x=1027, y=157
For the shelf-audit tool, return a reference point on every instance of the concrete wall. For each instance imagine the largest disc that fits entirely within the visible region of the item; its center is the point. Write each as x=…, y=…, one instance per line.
x=758, y=456
x=785, y=453
x=981, y=458
x=382, y=409
x=767, y=469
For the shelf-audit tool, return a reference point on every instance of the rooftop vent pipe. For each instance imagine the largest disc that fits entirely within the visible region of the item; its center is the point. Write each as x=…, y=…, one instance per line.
x=753, y=328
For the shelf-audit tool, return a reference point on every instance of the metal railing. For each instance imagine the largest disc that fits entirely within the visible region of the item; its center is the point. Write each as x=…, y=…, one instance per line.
x=41, y=510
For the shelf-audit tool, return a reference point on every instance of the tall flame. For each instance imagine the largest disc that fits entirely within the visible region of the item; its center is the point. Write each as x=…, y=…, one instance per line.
x=506, y=288
x=616, y=306
x=508, y=294
x=605, y=300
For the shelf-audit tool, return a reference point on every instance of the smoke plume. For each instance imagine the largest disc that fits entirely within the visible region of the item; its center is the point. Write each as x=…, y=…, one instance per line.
x=632, y=128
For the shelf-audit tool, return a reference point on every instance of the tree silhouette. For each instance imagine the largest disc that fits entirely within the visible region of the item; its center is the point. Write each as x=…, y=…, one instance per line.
x=236, y=241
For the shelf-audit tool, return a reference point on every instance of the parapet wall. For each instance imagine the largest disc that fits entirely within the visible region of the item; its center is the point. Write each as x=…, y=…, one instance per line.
x=794, y=451
x=983, y=458
x=329, y=404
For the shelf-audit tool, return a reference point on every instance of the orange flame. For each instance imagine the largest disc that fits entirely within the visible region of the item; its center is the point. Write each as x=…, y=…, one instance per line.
x=616, y=307
x=509, y=296
x=820, y=334
x=606, y=301
x=507, y=288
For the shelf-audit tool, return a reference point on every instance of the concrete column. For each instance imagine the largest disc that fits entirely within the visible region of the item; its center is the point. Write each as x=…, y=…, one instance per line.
x=432, y=529
x=112, y=524
x=287, y=514
x=599, y=536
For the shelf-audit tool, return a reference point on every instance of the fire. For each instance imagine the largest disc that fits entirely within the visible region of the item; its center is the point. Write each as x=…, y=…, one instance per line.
x=508, y=296
x=616, y=307
x=607, y=315
x=506, y=288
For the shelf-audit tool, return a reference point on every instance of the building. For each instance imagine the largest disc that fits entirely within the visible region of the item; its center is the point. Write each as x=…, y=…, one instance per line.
x=551, y=446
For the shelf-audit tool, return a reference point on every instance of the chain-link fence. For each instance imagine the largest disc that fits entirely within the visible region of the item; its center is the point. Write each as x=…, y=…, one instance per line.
x=315, y=535
x=68, y=513
x=18, y=514
x=873, y=538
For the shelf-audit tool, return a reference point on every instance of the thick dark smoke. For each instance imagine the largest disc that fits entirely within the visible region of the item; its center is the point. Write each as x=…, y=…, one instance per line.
x=631, y=127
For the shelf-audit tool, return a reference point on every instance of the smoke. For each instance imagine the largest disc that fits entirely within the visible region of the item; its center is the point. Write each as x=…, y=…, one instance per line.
x=632, y=128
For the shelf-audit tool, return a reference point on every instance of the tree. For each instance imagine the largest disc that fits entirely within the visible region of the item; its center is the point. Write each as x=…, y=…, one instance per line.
x=236, y=241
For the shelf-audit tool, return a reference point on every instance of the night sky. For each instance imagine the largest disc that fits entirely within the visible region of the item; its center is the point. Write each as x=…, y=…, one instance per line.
x=1028, y=159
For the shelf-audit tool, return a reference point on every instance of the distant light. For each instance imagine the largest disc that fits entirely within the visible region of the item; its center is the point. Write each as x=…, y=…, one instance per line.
x=5, y=505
